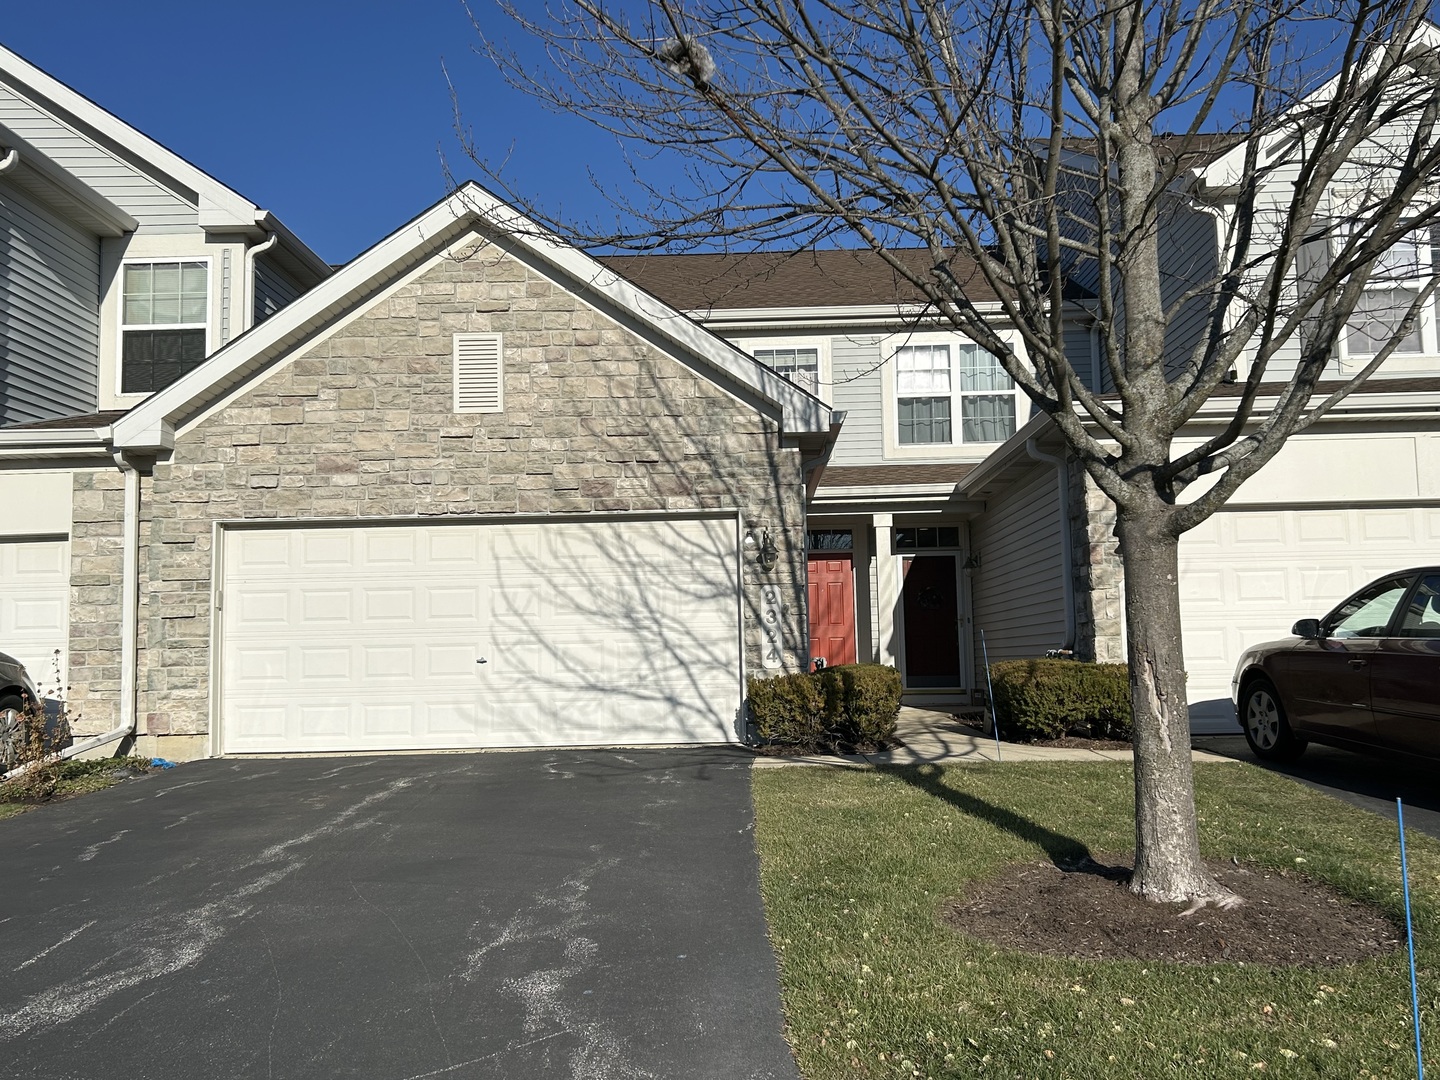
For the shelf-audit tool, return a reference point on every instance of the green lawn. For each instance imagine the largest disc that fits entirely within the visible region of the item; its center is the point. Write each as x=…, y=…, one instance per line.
x=854, y=865
x=75, y=778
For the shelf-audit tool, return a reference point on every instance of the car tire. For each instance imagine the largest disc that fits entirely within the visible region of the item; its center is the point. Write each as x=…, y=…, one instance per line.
x=1266, y=728
x=12, y=715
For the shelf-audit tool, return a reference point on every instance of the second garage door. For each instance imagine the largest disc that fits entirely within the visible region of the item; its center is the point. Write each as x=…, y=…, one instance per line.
x=392, y=637
x=1246, y=576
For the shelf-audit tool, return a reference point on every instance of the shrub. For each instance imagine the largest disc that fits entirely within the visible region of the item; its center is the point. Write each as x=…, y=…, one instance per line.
x=787, y=709
x=847, y=708
x=1049, y=699
x=866, y=701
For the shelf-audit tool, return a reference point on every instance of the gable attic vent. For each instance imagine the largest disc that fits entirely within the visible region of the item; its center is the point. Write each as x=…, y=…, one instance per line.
x=479, y=373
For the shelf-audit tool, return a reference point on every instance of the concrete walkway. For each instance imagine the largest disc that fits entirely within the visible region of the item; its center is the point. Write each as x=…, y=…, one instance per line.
x=944, y=738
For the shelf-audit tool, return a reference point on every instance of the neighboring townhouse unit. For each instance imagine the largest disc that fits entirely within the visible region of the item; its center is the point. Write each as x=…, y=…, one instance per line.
x=948, y=510
x=122, y=267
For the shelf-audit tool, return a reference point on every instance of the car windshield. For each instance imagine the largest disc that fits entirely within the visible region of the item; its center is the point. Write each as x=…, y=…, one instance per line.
x=1367, y=613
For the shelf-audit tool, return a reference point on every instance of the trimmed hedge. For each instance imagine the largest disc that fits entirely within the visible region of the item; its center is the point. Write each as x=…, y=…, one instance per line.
x=1049, y=699
x=847, y=708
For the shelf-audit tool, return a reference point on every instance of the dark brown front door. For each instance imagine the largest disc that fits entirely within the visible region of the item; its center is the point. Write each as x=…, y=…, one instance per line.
x=931, y=603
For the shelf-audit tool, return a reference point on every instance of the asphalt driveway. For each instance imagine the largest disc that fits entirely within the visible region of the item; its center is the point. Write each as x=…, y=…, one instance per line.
x=588, y=914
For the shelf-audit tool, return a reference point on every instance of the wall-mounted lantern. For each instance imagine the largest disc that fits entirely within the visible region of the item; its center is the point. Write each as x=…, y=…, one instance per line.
x=764, y=549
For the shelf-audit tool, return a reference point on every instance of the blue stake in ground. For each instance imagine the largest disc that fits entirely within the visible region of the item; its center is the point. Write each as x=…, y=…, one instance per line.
x=1410, y=939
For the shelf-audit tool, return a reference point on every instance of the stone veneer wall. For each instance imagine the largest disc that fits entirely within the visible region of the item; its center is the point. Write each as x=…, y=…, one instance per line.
x=96, y=570
x=1098, y=572
x=361, y=425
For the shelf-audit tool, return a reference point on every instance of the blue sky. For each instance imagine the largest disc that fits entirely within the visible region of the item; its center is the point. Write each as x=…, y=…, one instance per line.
x=329, y=114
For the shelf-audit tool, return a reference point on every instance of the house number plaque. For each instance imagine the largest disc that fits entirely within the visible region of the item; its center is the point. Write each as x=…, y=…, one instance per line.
x=770, y=626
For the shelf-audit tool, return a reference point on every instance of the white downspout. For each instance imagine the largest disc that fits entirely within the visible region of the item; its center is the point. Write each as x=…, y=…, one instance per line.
x=129, y=617
x=247, y=312
x=10, y=160
x=1067, y=578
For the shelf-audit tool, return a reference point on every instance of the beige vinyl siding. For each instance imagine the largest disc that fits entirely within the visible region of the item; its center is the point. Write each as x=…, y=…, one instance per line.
x=151, y=204
x=1018, y=595
x=50, y=300
x=855, y=371
x=273, y=290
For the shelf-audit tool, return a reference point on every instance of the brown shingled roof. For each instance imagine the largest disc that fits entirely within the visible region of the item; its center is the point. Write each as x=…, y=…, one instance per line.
x=88, y=420
x=709, y=282
x=888, y=475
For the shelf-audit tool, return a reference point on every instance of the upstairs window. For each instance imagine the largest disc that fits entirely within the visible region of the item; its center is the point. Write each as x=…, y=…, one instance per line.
x=937, y=384
x=1399, y=276
x=163, y=319
x=800, y=366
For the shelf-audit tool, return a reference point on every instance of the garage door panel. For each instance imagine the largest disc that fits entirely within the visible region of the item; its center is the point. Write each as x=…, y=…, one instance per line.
x=1246, y=577
x=35, y=607
x=607, y=632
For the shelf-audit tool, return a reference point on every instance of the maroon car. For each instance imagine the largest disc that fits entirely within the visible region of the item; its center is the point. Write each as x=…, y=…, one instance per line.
x=1367, y=676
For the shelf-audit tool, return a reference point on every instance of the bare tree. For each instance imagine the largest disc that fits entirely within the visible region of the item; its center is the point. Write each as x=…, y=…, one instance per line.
x=1044, y=145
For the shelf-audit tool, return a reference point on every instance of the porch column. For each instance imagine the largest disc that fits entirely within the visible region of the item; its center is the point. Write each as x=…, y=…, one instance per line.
x=887, y=584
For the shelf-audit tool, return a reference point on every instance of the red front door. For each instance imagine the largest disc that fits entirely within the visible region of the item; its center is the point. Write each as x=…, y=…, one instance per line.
x=832, y=607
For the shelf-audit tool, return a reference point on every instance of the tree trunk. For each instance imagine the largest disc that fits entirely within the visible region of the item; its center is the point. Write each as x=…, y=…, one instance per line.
x=1167, y=849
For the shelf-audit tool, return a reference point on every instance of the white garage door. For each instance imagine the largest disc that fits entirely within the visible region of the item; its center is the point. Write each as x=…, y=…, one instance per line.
x=1246, y=576
x=35, y=606
x=372, y=638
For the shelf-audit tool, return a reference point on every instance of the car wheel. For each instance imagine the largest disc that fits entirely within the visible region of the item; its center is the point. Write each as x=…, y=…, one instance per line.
x=1266, y=729
x=12, y=716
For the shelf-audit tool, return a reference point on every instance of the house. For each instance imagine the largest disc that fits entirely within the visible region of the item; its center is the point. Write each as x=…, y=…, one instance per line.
x=476, y=488
x=472, y=489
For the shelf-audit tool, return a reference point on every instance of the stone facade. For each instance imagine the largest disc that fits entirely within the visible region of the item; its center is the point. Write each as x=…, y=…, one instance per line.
x=362, y=425
x=96, y=572
x=1098, y=571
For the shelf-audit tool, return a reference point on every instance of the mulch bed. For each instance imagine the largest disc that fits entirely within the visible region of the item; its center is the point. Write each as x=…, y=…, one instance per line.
x=823, y=749
x=1089, y=912
x=1078, y=742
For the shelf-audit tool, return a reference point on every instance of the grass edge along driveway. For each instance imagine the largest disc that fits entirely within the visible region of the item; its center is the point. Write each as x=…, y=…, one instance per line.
x=855, y=864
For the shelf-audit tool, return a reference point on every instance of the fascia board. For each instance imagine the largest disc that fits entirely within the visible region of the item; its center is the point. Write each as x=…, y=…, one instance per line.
x=1224, y=172
x=802, y=411
x=55, y=437
x=1006, y=453
x=826, y=315
x=150, y=424
x=112, y=220
x=219, y=205
x=142, y=425
x=318, y=267
x=117, y=131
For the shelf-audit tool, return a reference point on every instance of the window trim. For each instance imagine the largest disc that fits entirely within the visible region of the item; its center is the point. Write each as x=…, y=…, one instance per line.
x=825, y=391
x=890, y=398
x=1347, y=363
x=121, y=326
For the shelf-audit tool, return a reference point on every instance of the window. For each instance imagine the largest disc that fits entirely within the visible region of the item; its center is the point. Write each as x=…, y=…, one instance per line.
x=927, y=391
x=800, y=366
x=1394, y=284
x=163, y=318
x=1421, y=617
x=919, y=539
x=1367, y=614
x=829, y=540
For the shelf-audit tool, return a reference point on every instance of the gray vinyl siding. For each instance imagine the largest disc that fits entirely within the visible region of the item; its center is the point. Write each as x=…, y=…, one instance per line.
x=1080, y=350
x=49, y=313
x=855, y=369
x=1188, y=245
x=273, y=290
x=1017, y=591
x=151, y=204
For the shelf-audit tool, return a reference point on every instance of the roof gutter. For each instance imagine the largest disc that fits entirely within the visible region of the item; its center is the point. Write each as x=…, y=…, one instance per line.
x=10, y=160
